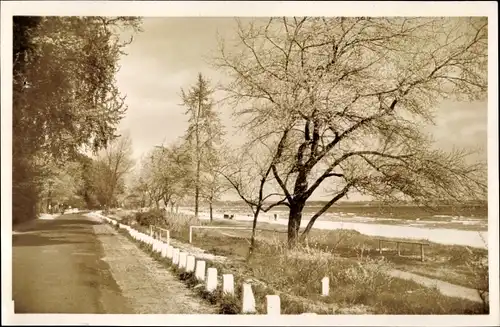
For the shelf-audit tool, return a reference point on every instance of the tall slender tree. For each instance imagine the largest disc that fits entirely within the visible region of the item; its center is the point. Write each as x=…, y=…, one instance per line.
x=204, y=130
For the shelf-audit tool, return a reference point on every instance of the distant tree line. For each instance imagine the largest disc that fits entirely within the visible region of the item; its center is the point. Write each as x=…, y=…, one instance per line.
x=190, y=166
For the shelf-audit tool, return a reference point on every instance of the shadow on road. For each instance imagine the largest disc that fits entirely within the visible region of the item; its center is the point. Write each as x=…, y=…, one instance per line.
x=66, y=224
x=70, y=229
x=39, y=240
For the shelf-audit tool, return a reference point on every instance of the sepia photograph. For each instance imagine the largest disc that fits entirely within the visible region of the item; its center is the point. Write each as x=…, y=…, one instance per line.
x=285, y=166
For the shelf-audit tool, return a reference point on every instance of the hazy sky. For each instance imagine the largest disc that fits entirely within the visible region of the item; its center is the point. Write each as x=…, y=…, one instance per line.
x=170, y=52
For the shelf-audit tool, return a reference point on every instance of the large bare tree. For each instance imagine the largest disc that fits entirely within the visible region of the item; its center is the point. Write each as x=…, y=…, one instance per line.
x=249, y=173
x=112, y=165
x=346, y=101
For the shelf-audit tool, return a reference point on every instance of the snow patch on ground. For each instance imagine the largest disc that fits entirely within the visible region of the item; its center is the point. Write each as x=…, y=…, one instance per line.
x=48, y=216
x=478, y=239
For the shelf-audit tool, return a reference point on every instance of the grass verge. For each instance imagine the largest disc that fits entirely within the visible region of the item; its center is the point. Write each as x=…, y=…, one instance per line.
x=358, y=284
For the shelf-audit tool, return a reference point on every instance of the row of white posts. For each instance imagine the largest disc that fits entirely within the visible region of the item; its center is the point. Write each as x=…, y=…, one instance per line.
x=185, y=261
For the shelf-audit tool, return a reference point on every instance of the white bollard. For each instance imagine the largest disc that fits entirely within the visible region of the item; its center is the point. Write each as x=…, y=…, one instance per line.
x=200, y=270
x=211, y=279
x=182, y=259
x=248, y=299
x=169, y=252
x=190, y=262
x=273, y=304
x=164, y=250
x=325, y=286
x=175, y=257
x=228, y=284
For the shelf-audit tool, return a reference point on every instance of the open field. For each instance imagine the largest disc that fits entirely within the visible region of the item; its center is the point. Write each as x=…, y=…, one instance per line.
x=443, y=262
x=358, y=273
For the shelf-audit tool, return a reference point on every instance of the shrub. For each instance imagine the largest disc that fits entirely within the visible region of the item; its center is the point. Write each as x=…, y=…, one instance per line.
x=177, y=222
x=478, y=266
x=150, y=217
x=128, y=220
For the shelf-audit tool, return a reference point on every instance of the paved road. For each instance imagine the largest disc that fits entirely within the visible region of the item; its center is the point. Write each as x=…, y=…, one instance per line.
x=76, y=264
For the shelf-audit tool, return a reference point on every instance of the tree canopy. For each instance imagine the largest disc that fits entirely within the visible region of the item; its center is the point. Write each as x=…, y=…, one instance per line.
x=65, y=97
x=342, y=101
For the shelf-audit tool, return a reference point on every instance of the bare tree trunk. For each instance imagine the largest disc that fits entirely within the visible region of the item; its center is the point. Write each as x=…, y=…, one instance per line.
x=294, y=219
x=211, y=211
x=49, y=200
x=197, y=190
x=254, y=226
x=323, y=210
x=198, y=159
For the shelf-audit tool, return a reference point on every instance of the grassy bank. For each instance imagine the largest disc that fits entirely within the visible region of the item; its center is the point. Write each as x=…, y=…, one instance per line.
x=358, y=282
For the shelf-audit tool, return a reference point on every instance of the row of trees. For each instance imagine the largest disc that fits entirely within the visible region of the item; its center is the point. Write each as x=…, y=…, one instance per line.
x=189, y=166
x=65, y=101
x=92, y=182
x=337, y=105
